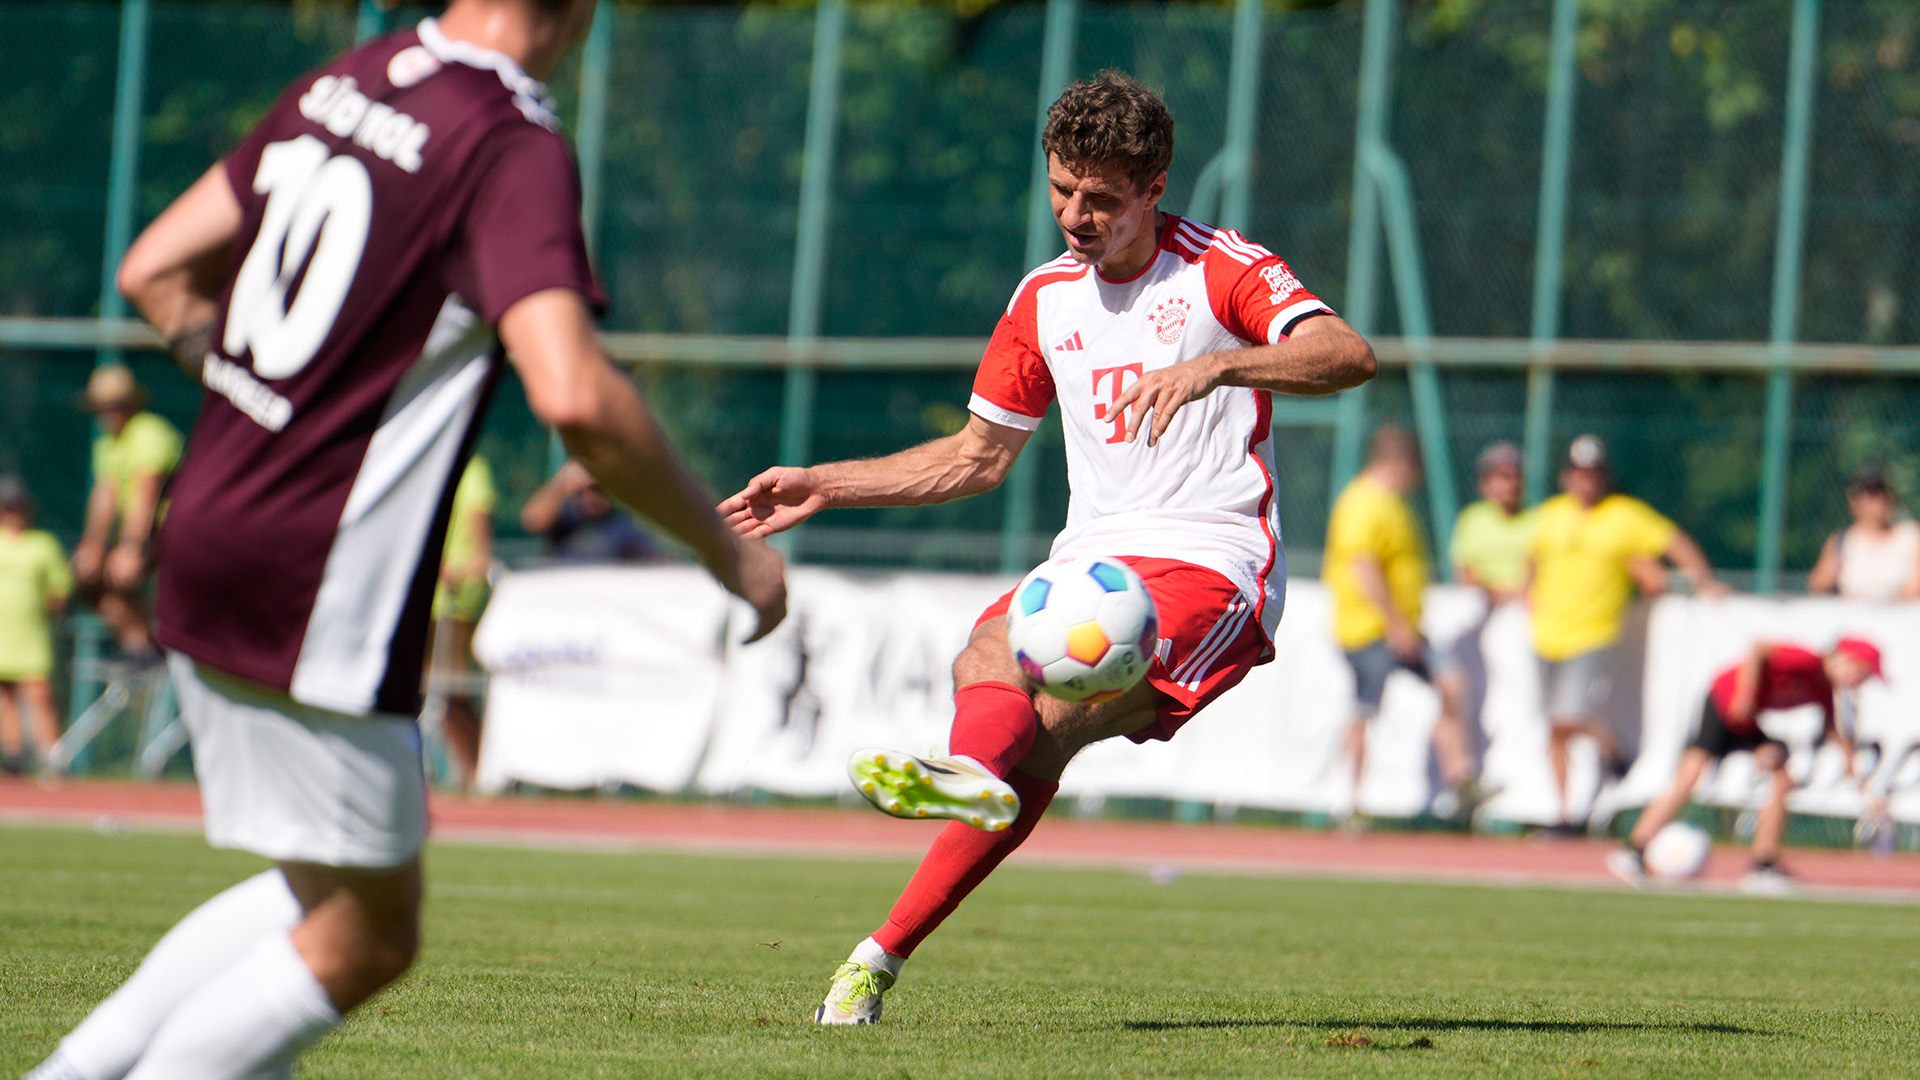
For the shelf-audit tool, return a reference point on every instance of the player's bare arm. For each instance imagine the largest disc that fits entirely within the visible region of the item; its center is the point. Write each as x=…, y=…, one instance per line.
x=1684, y=553
x=608, y=428
x=972, y=460
x=173, y=272
x=1323, y=356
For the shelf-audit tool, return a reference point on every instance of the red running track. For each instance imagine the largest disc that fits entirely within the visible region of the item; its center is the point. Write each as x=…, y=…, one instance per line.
x=1150, y=846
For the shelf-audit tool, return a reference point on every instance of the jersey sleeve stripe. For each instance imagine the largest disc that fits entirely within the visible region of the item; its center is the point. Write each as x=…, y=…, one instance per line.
x=1248, y=245
x=1289, y=317
x=1064, y=262
x=994, y=414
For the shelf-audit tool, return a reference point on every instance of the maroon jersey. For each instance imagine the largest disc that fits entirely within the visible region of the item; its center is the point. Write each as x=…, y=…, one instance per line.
x=397, y=201
x=1790, y=678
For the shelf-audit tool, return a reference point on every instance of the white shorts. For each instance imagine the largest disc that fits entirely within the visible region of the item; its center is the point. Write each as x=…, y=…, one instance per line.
x=299, y=784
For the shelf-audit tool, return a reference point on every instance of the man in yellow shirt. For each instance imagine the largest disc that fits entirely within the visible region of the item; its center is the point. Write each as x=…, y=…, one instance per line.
x=465, y=564
x=1375, y=566
x=1591, y=547
x=133, y=456
x=34, y=583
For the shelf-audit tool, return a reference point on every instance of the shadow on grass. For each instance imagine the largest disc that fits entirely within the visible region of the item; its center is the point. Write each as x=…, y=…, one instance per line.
x=1440, y=1024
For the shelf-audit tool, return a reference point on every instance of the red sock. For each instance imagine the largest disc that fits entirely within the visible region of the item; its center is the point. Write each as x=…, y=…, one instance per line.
x=961, y=858
x=994, y=723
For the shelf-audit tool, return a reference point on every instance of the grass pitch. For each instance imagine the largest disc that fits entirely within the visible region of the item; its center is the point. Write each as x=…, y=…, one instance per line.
x=573, y=964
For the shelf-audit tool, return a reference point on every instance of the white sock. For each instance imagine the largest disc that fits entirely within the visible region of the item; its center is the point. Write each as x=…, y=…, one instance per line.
x=249, y=1021
x=212, y=937
x=871, y=954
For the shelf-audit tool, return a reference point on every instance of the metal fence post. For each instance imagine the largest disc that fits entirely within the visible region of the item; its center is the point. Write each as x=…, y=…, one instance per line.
x=1363, y=236
x=810, y=240
x=1243, y=112
x=1043, y=238
x=590, y=138
x=1550, y=239
x=123, y=170
x=1789, y=242
x=371, y=21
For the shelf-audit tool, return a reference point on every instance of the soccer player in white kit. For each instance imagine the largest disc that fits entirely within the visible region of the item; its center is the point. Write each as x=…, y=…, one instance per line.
x=1163, y=340
x=347, y=283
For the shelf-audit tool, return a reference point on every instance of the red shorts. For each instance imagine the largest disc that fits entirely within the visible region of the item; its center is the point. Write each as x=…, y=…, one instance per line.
x=1210, y=637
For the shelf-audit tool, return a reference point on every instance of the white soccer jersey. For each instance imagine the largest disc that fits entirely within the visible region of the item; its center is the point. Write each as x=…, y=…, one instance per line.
x=1203, y=494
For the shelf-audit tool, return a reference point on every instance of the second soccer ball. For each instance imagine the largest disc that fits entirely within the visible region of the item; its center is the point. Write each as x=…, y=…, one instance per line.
x=1083, y=629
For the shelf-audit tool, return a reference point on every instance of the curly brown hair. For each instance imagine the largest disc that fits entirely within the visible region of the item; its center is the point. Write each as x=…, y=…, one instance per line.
x=1111, y=123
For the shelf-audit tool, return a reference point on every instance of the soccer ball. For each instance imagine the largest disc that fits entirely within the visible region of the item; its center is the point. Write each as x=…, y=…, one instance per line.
x=1678, y=851
x=1083, y=629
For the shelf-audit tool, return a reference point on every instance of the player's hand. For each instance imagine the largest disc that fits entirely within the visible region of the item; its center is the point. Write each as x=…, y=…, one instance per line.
x=761, y=580
x=1713, y=589
x=88, y=556
x=1405, y=642
x=126, y=564
x=1163, y=393
x=774, y=501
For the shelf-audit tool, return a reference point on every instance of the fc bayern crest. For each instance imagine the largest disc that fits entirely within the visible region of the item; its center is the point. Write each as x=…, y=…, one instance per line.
x=1169, y=318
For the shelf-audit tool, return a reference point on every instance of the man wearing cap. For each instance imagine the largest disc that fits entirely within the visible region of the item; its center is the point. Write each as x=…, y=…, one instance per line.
x=34, y=583
x=1774, y=675
x=132, y=457
x=1591, y=546
x=1877, y=558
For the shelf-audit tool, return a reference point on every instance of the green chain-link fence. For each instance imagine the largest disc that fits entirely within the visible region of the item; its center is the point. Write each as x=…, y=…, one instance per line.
x=1673, y=196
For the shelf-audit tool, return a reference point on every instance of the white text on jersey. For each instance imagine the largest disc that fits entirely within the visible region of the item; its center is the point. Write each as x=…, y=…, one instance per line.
x=248, y=394
x=335, y=103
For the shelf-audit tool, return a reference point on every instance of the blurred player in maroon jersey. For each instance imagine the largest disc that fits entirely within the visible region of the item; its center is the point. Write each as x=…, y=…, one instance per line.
x=1772, y=676
x=346, y=285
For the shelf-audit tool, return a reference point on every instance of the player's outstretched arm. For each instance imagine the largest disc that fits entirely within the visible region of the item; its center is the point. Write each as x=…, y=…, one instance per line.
x=1323, y=355
x=972, y=460
x=608, y=428
x=173, y=272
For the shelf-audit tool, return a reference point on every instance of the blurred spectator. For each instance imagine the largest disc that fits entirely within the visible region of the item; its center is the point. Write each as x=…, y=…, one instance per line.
x=133, y=456
x=34, y=583
x=580, y=524
x=466, y=564
x=1878, y=556
x=1489, y=552
x=1591, y=546
x=1772, y=676
x=1376, y=568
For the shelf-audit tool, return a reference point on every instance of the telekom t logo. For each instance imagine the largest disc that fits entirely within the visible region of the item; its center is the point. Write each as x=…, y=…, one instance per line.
x=1117, y=376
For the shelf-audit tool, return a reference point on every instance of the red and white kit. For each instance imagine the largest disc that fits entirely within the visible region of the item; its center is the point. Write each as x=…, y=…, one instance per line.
x=1204, y=494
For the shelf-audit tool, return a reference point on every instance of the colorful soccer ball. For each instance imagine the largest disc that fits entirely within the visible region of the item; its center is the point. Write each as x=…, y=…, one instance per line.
x=1083, y=629
x=1678, y=851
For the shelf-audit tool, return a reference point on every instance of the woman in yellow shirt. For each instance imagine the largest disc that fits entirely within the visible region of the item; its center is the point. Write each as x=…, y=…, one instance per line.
x=34, y=583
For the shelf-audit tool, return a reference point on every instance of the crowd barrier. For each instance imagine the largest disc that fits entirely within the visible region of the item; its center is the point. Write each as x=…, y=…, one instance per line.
x=631, y=675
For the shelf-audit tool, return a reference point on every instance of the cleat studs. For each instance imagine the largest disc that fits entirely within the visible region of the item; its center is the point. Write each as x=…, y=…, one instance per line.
x=977, y=822
x=907, y=766
x=880, y=760
x=999, y=826
x=867, y=787
x=922, y=812
x=1008, y=799
x=893, y=807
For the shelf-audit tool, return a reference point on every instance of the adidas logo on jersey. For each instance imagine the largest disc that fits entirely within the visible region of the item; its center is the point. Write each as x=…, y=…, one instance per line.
x=1072, y=344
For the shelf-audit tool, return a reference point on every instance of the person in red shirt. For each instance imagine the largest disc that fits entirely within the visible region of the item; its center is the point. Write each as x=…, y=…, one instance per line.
x=1773, y=676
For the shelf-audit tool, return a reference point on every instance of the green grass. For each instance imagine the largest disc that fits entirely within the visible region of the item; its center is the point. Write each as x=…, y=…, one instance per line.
x=576, y=964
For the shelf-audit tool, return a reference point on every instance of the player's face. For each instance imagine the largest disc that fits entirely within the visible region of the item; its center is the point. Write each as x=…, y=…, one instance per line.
x=1870, y=507
x=13, y=518
x=1501, y=485
x=1588, y=485
x=1846, y=671
x=1108, y=222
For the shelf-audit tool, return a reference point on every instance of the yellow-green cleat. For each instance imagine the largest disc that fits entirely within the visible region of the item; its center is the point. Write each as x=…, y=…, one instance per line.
x=854, y=997
x=954, y=788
